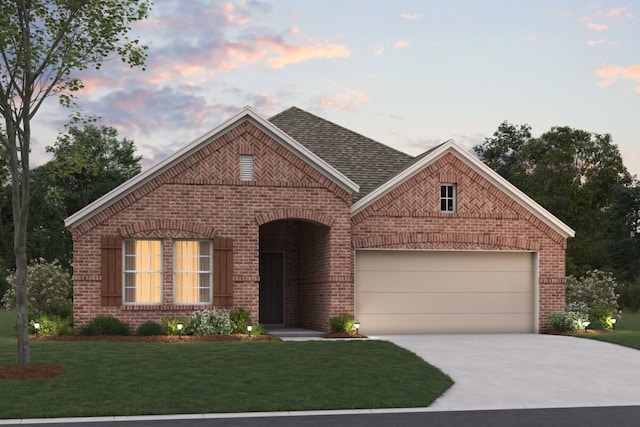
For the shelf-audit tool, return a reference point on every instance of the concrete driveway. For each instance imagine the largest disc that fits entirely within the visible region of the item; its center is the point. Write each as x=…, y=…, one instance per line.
x=528, y=371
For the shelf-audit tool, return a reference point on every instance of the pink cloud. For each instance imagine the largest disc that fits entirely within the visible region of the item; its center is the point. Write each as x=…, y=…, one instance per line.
x=400, y=44
x=597, y=27
x=612, y=75
x=596, y=42
x=288, y=53
x=411, y=16
x=347, y=101
x=617, y=12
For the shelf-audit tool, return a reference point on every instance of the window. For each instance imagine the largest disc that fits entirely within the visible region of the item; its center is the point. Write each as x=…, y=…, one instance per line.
x=246, y=168
x=192, y=272
x=142, y=272
x=447, y=197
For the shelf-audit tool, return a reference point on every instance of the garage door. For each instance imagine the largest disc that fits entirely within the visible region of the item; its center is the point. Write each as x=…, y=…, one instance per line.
x=444, y=292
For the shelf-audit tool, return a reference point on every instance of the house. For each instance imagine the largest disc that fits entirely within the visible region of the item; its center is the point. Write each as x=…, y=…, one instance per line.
x=298, y=219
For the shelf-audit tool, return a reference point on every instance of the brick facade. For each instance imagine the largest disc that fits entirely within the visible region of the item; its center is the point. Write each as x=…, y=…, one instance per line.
x=291, y=208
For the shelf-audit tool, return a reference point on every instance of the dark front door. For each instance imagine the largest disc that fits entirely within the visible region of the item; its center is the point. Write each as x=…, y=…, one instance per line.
x=271, y=287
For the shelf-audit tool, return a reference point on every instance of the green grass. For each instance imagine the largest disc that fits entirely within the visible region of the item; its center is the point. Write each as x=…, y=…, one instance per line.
x=8, y=321
x=627, y=332
x=123, y=378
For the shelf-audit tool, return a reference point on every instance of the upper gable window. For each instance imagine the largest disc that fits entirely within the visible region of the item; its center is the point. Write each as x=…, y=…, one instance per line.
x=246, y=168
x=447, y=198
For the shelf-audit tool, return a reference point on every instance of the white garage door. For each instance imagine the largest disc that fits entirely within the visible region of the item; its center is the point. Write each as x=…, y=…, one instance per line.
x=411, y=292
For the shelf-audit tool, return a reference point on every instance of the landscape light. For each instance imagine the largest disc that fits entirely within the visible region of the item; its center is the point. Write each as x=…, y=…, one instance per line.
x=357, y=325
x=36, y=325
x=613, y=323
x=585, y=324
x=179, y=326
x=249, y=329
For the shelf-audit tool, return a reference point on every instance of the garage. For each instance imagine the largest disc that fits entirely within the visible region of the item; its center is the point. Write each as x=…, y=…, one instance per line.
x=411, y=292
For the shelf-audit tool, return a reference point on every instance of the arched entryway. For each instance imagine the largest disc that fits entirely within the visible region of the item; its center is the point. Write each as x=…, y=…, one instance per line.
x=294, y=265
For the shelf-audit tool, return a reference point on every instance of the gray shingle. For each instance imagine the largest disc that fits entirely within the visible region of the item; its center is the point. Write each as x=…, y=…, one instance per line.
x=366, y=162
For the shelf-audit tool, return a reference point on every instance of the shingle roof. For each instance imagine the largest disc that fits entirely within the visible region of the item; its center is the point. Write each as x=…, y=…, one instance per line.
x=366, y=162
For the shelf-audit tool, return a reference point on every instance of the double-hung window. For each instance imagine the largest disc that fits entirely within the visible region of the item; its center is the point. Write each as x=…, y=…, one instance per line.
x=193, y=265
x=447, y=198
x=142, y=272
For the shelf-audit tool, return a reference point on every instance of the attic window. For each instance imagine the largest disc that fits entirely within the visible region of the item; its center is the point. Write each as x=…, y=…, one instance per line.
x=246, y=168
x=447, y=198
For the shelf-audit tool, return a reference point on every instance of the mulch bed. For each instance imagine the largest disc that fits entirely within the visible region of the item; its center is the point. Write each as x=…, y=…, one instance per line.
x=344, y=335
x=31, y=371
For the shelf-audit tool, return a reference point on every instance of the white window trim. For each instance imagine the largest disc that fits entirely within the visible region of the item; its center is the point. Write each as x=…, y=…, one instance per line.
x=210, y=272
x=125, y=271
x=453, y=198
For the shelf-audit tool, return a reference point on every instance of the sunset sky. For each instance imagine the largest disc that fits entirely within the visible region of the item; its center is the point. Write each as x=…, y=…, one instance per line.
x=410, y=74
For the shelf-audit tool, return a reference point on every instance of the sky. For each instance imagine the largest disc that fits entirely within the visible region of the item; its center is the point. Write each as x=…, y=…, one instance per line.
x=410, y=74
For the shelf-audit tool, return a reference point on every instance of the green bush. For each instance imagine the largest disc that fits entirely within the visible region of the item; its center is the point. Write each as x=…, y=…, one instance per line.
x=630, y=296
x=170, y=325
x=105, y=325
x=595, y=289
x=150, y=328
x=566, y=321
x=49, y=288
x=258, y=329
x=52, y=325
x=600, y=318
x=343, y=323
x=210, y=322
x=240, y=319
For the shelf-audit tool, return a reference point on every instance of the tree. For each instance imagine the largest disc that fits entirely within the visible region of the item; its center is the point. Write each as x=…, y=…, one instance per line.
x=572, y=173
x=42, y=44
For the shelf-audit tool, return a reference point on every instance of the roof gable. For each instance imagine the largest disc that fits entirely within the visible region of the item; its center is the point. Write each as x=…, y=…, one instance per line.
x=367, y=162
x=475, y=164
x=246, y=114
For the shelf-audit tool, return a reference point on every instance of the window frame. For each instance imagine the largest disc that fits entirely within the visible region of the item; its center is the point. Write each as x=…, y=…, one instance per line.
x=247, y=167
x=448, y=201
x=198, y=272
x=126, y=271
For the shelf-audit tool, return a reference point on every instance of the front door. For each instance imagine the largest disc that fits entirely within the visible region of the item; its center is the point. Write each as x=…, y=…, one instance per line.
x=271, y=287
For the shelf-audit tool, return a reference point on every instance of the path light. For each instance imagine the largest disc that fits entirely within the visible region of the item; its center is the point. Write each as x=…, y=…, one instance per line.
x=249, y=329
x=585, y=324
x=36, y=325
x=613, y=323
x=179, y=326
x=357, y=325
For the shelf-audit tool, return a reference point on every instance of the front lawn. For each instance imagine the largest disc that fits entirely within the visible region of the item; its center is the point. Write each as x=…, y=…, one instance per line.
x=627, y=332
x=123, y=378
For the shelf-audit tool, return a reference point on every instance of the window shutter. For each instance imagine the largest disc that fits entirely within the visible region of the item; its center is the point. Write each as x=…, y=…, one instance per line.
x=223, y=271
x=111, y=270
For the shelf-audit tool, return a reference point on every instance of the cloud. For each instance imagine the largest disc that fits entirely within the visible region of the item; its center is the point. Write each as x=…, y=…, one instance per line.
x=401, y=44
x=411, y=16
x=596, y=27
x=288, y=53
x=596, y=42
x=348, y=101
x=531, y=38
x=378, y=50
x=618, y=12
x=611, y=75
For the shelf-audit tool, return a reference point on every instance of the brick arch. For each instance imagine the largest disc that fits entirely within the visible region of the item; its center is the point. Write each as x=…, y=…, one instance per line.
x=446, y=240
x=304, y=214
x=167, y=224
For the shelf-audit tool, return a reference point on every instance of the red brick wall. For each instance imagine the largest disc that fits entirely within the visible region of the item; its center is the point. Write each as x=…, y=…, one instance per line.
x=409, y=217
x=202, y=196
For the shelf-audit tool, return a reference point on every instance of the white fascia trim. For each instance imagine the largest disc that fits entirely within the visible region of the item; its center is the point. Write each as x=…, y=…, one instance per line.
x=482, y=169
x=160, y=167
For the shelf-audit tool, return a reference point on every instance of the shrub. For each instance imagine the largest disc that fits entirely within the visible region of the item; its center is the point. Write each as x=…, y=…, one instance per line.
x=170, y=325
x=210, y=322
x=596, y=289
x=105, y=325
x=343, y=323
x=49, y=288
x=630, y=296
x=52, y=325
x=150, y=328
x=240, y=319
x=566, y=320
x=600, y=318
x=258, y=329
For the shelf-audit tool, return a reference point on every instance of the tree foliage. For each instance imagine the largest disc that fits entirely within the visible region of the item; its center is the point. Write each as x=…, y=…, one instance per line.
x=572, y=173
x=42, y=44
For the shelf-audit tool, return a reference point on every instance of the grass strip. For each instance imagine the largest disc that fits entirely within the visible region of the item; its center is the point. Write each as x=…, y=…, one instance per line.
x=120, y=378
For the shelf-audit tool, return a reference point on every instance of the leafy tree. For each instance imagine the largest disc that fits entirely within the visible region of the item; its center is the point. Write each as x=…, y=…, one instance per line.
x=572, y=173
x=42, y=44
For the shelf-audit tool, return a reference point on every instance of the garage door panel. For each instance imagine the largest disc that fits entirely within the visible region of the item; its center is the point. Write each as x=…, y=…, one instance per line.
x=443, y=324
x=402, y=291
x=443, y=261
x=439, y=281
x=443, y=303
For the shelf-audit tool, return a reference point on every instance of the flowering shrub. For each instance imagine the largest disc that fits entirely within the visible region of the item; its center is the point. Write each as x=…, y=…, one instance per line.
x=567, y=320
x=596, y=289
x=49, y=289
x=210, y=322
